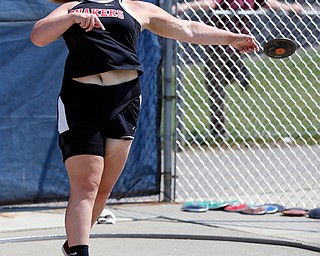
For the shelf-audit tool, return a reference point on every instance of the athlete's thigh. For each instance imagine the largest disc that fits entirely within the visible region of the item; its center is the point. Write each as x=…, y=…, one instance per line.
x=84, y=170
x=116, y=154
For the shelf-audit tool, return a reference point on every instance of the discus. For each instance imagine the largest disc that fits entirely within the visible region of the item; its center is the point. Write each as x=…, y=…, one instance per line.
x=280, y=207
x=195, y=206
x=270, y=208
x=254, y=210
x=217, y=205
x=295, y=212
x=314, y=213
x=280, y=48
x=235, y=207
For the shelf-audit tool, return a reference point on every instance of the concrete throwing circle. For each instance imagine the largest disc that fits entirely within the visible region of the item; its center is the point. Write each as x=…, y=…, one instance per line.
x=176, y=244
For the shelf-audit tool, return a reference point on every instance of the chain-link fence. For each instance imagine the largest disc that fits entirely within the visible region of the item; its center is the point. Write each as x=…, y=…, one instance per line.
x=248, y=127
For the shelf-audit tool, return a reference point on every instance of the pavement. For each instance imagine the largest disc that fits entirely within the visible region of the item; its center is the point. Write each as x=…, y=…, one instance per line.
x=161, y=229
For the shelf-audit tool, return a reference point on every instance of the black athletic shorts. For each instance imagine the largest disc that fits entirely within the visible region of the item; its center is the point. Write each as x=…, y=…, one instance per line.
x=90, y=113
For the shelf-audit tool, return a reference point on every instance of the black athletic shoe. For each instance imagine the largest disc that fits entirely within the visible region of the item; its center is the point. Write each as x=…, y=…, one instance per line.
x=65, y=249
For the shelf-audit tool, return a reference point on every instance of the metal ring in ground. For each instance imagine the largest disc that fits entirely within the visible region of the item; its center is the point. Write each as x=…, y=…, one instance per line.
x=297, y=245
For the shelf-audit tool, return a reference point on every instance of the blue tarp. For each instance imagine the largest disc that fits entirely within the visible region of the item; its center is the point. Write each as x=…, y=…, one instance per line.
x=31, y=166
x=25, y=10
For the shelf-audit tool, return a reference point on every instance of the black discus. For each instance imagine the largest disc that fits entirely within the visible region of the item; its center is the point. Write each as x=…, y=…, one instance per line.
x=280, y=48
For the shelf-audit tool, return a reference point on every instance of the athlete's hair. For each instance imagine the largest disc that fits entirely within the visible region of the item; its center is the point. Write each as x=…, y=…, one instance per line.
x=63, y=1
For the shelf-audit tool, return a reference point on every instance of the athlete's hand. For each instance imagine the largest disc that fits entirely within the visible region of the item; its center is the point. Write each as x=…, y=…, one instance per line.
x=245, y=43
x=87, y=21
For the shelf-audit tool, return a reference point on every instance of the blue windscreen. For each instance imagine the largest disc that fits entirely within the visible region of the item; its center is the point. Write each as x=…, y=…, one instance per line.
x=31, y=168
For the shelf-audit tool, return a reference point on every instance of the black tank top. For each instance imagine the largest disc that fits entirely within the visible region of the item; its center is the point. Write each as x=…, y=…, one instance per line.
x=100, y=51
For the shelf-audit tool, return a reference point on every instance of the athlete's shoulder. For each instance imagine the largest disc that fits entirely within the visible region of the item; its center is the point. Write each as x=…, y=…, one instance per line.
x=148, y=14
x=139, y=3
x=63, y=8
x=143, y=8
x=64, y=1
x=70, y=4
x=73, y=3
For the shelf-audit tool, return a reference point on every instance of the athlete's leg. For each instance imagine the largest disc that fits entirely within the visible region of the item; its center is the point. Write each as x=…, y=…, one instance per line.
x=116, y=154
x=217, y=80
x=242, y=73
x=85, y=172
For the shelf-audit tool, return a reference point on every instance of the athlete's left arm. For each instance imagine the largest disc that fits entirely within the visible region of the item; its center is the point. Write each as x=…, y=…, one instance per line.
x=164, y=24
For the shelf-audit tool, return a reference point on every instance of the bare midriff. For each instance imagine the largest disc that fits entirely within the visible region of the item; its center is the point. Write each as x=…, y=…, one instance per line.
x=113, y=77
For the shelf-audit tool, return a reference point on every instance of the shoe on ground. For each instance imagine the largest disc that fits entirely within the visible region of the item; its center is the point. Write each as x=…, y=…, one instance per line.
x=65, y=249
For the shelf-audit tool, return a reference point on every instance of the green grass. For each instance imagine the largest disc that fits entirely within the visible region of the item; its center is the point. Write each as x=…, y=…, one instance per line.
x=283, y=100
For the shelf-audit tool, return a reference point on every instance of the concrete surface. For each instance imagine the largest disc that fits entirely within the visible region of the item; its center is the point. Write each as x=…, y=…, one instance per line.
x=162, y=230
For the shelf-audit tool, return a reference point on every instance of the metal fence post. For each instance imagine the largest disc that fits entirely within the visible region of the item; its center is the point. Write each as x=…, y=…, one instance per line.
x=167, y=125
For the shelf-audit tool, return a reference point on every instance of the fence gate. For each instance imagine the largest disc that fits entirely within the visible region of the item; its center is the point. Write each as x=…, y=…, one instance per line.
x=248, y=128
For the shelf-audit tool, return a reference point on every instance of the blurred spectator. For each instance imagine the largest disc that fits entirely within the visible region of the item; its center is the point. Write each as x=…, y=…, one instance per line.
x=224, y=64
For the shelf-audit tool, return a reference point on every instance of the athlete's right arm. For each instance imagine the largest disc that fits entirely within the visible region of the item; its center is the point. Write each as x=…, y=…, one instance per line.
x=50, y=28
